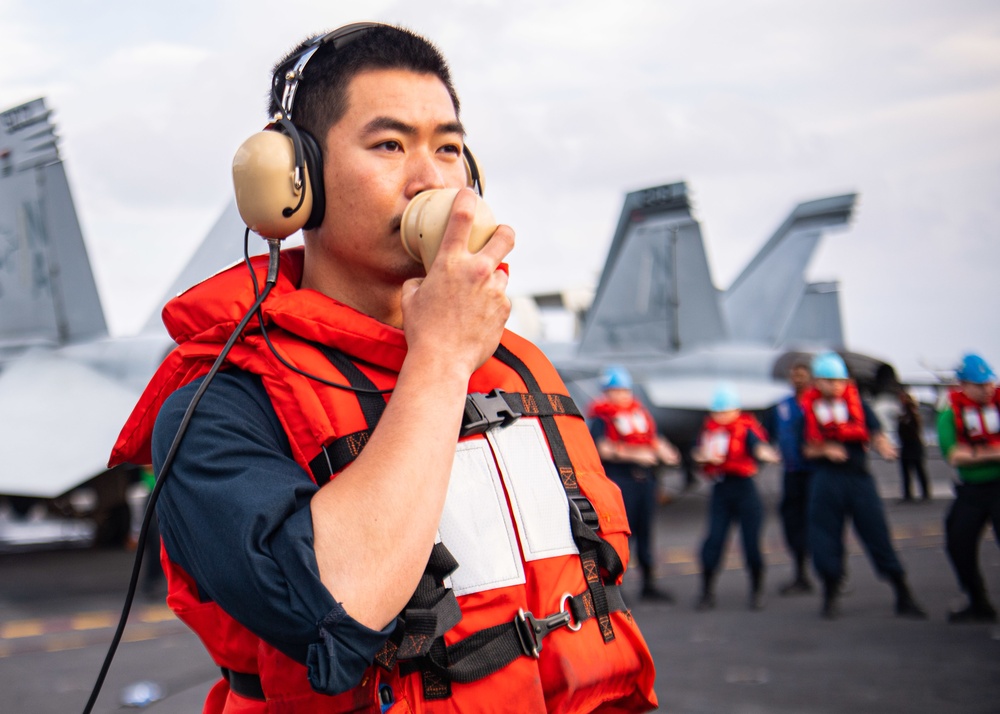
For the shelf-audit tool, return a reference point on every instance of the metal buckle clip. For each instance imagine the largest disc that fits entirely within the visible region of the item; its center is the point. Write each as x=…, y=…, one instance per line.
x=485, y=411
x=531, y=630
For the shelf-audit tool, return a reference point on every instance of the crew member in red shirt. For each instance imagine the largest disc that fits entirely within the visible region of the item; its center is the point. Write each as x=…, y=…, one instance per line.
x=730, y=445
x=838, y=428
x=630, y=451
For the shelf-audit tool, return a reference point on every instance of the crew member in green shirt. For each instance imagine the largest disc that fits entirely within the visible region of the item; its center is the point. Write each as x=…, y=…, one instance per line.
x=969, y=436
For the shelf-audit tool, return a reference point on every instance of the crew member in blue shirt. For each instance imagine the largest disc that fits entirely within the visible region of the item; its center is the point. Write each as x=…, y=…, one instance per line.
x=784, y=425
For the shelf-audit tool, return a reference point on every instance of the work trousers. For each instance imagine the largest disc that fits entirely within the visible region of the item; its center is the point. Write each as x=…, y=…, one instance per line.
x=733, y=498
x=794, y=512
x=837, y=494
x=639, y=494
x=909, y=465
x=975, y=504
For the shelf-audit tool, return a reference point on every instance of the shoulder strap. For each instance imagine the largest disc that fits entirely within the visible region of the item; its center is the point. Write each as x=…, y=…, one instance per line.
x=595, y=552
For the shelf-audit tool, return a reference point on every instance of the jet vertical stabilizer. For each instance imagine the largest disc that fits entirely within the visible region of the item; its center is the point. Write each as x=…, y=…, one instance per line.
x=47, y=290
x=656, y=293
x=817, y=320
x=763, y=303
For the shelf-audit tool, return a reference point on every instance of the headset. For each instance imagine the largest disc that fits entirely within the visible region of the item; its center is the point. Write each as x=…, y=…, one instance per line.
x=278, y=172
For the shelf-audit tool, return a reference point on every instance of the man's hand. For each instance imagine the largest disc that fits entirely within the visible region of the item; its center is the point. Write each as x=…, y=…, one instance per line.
x=969, y=455
x=667, y=452
x=766, y=453
x=835, y=451
x=884, y=447
x=700, y=456
x=626, y=453
x=459, y=310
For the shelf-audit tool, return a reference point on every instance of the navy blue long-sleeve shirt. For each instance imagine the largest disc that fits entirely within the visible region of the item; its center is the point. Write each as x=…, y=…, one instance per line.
x=234, y=514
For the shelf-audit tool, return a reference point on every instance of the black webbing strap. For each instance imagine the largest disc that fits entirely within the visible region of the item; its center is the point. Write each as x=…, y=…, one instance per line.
x=339, y=453
x=478, y=418
x=539, y=404
x=372, y=405
x=245, y=685
x=431, y=611
x=595, y=552
x=487, y=651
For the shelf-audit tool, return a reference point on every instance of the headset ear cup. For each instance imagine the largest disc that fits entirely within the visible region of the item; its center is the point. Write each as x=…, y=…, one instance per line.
x=264, y=171
x=473, y=174
x=313, y=157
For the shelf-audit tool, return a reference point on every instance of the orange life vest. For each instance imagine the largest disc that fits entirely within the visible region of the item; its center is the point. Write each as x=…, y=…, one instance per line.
x=841, y=419
x=730, y=440
x=629, y=424
x=603, y=664
x=976, y=423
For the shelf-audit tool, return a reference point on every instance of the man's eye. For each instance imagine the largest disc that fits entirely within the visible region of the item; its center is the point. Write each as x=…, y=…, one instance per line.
x=390, y=145
x=452, y=149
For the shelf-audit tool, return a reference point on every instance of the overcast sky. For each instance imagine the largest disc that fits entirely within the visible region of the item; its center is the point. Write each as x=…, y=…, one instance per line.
x=758, y=105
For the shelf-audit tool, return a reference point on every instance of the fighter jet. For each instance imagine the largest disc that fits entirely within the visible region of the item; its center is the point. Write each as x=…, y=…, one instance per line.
x=66, y=384
x=657, y=312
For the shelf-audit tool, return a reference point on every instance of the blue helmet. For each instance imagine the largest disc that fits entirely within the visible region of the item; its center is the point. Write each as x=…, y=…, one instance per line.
x=725, y=398
x=615, y=377
x=829, y=365
x=974, y=369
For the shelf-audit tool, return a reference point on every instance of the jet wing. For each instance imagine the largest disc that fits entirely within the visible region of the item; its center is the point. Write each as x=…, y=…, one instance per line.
x=82, y=412
x=695, y=393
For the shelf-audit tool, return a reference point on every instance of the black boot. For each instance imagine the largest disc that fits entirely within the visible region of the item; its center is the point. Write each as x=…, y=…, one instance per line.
x=979, y=609
x=800, y=584
x=650, y=592
x=906, y=605
x=707, y=599
x=756, y=601
x=831, y=599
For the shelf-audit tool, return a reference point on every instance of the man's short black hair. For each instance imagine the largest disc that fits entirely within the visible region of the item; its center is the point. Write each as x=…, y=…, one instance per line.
x=321, y=99
x=801, y=363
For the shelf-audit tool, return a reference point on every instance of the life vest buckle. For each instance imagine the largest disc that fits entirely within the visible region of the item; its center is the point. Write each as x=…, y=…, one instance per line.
x=532, y=630
x=584, y=510
x=485, y=411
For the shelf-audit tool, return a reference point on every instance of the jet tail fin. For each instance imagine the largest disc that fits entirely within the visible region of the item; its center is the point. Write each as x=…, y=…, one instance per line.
x=48, y=294
x=656, y=292
x=816, y=319
x=770, y=301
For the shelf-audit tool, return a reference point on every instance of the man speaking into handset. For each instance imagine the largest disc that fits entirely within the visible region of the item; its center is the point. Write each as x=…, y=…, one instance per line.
x=384, y=501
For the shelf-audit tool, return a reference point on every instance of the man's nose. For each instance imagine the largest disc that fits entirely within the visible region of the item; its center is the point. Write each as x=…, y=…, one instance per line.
x=425, y=173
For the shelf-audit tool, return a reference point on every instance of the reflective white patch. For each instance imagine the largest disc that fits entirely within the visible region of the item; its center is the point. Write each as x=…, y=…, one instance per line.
x=828, y=411
x=537, y=496
x=717, y=444
x=476, y=526
x=970, y=415
x=991, y=419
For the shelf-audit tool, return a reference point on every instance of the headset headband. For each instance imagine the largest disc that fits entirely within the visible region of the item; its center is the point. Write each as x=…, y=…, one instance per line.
x=341, y=37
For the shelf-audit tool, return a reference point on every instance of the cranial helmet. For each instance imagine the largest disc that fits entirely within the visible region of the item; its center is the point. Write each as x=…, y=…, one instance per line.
x=829, y=365
x=725, y=398
x=975, y=369
x=615, y=377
